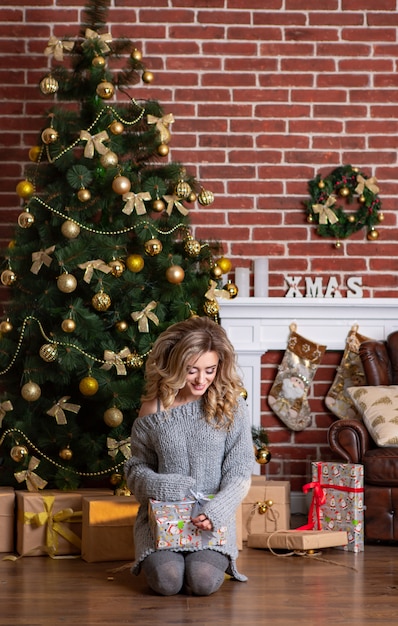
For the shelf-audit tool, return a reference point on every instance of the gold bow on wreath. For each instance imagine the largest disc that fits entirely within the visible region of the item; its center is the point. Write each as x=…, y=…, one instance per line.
x=40, y=257
x=115, y=446
x=94, y=142
x=135, y=201
x=142, y=317
x=33, y=481
x=369, y=183
x=103, y=40
x=112, y=358
x=90, y=266
x=56, y=47
x=162, y=125
x=325, y=212
x=4, y=407
x=57, y=410
x=172, y=201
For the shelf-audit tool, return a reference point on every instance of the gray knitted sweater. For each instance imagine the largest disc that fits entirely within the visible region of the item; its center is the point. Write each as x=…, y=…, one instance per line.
x=173, y=452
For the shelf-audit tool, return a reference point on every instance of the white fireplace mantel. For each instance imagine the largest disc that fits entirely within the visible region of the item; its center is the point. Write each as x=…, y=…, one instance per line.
x=256, y=325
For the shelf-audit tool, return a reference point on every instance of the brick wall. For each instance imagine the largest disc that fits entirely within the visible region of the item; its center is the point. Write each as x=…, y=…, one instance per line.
x=264, y=99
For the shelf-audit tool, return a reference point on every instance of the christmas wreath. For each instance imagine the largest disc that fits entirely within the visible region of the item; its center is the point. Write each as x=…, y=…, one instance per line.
x=352, y=185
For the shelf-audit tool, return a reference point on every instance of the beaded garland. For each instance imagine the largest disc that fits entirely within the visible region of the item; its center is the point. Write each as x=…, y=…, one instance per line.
x=351, y=184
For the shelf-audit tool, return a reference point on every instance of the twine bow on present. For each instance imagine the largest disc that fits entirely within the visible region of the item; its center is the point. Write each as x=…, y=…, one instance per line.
x=143, y=316
x=40, y=257
x=56, y=47
x=57, y=410
x=174, y=201
x=113, y=359
x=122, y=446
x=102, y=40
x=262, y=508
x=55, y=524
x=94, y=142
x=369, y=183
x=135, y=201
x=325, y=212
x=33, y=481
x=162, y=125
x=90, y=266
x=4, y=407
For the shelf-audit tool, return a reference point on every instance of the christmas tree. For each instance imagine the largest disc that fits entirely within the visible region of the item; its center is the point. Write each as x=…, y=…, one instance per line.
x=103, y=260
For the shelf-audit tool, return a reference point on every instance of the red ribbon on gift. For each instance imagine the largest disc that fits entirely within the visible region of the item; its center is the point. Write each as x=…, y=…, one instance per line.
x=319, y=498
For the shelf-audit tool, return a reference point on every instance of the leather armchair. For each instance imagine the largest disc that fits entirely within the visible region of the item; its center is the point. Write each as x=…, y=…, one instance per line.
x=350, y=441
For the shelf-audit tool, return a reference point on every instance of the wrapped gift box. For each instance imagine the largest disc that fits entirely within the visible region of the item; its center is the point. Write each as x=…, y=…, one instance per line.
x=108, y=528
x=7, y=510
x=50, y=521
x=258, y=514
x=337, y=502
x=172, y=527
x=299, y=540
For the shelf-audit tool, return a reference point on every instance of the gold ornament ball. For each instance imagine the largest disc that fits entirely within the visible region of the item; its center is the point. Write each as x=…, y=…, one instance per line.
x=121, y=326
x=113, y=417
x=225, y=265
x=163, y=149
x=123, y=491
x=117, y=266
x=25, y=189
x=158, y=205
x=263, y=456
x=68, y=325
x=216, y=271
x=192, y=247
x=49, y=135
x=148, y=77
x=5, y=327
x=153, y=247
x=101, y=301
x=84, y=195
x=98, y=61
x=121, y=185
x=18, y=453
x=134, y=361
x=49, y=85
x=88, y=386
x=136, y=54
x=175, y=274
x=116, y=127
x=380, y=217
x=8, y=278
x=192, y=197
x=373, y=234
x=205, y=197
x=115, y=479
x=351, y=219
x=344, y=192
x=109, y=159
x=361, y=199
x=66, y=283
x=48, y=352
x=321, y=184
x=232, y=289
x=310, y=218
x=243, y=393
x=105, y=90
x=26, y=219
x=135, y=263
x=182, y=189
x=70, y=229
x=34, y=153
x=211, y=308
x=337, y=245
x=31, y=391
x=66, y=454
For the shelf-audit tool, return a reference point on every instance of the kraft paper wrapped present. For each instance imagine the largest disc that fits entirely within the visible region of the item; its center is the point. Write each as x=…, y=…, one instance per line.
x=7, y=517
x=108, y=528
x=50, y=521
x=338, y=501
x=172, y=527
x=298, y=540
x=266, y=507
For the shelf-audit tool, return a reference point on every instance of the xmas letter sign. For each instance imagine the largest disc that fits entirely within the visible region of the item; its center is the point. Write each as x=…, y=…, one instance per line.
x=313, y=287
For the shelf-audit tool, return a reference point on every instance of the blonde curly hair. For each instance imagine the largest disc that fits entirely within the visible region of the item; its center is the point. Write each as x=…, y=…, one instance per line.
x=174, y=352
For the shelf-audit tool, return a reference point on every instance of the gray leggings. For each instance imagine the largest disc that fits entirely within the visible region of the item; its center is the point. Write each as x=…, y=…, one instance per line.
x=201, y=572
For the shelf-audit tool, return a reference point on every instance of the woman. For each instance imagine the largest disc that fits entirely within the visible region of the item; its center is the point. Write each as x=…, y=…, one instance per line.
x=192, y=435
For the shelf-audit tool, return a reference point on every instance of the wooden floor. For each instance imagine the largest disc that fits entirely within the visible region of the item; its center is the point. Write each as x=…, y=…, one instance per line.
x=40, y=591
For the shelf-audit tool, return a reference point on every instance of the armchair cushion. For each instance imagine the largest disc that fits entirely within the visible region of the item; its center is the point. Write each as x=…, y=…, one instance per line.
x=378, y=407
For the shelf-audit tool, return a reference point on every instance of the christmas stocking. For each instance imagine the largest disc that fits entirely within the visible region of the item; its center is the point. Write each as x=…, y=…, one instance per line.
x=288, y=395
x=349, y=374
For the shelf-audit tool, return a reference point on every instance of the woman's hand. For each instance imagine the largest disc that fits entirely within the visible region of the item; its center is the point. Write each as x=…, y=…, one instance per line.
x=202, y=522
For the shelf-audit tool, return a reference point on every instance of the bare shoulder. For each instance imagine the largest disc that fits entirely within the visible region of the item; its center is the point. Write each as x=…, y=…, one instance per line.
x=148, y=407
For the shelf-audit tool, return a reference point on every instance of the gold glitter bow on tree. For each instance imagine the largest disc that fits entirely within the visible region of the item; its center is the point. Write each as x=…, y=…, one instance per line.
x=214, y=293
x=40, y=257
x=122, y=446
x=135, y=201
x=102, y=40
x=57, y=410
x=162, y=125
x=325, y=212
x=94, y=142
x=90, y=266
x=56, y=47
x=4, y=407
x=33, y=481
x=113, y=359
x=174, y=201
x=143, y=316
x=369, y=183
